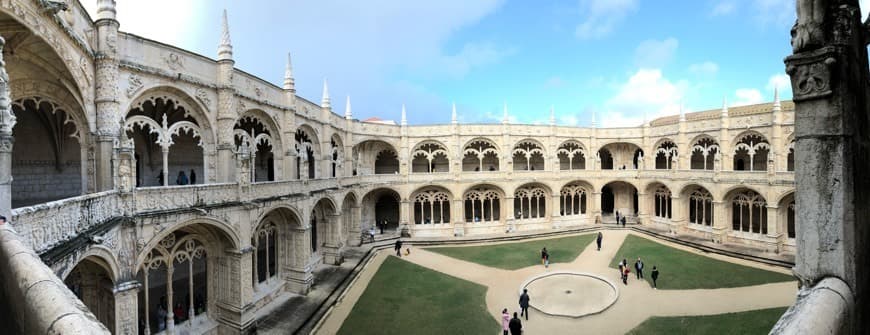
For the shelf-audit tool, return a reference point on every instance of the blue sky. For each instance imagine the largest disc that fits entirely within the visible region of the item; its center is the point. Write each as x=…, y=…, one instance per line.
x=618, y=58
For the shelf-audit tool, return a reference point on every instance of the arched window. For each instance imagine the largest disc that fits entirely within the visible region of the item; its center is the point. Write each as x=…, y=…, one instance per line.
x=571, y=156
x=265, y=259
x=335, y=157
x=749, y=213
x=387, y=162
x=304, y=155
x=666, y=155
x=480, y=155
x=528, y=156
x=428, y=158
x=432, y=207
x=482, y=205
x=750, y=153
x=704, y=154
x=701, y=207
x=573, y=200
x=530, y=203
x=790, y=222
x=605, y=158
x=790, y=164
x=251, y=129
x=663, y=202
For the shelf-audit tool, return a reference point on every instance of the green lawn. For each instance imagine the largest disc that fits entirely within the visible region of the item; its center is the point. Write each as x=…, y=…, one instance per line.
x=405, y=298
x=682, y=270
x=512, y=256
x=751, y=322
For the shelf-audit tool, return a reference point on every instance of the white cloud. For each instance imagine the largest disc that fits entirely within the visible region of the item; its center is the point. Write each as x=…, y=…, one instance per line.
x=472, y=55
x=707, y=68
x=655, y=53
x=646, y=92
x=568, y=120
x=780, y=81
x=134, y=19
x=723, y=8
x=865, y=7
x=776, y=12
x=747, y=96
x=602, y=16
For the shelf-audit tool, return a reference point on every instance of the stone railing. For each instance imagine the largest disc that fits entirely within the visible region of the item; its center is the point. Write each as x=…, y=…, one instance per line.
x=35, y=301
x=822, y=309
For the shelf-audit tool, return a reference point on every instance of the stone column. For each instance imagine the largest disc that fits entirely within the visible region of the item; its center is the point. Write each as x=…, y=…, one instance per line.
x=126, y=308
x=508, y=213
x=332, y=249
x=773, y=230
x=236, y=308
x=596, y=206
x=457, y=215
x=297, y=272
x=355, y=230
x=404, y=218
x=642, y=208
x=108, y=112
x=555, y=204
x=679, y=216
x=7, y=122
x=721, y=226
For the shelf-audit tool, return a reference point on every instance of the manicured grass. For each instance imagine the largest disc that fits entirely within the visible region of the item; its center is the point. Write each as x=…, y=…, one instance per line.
x=742, y=323
x=405, y=298
x=512, y=256
x=682, y=270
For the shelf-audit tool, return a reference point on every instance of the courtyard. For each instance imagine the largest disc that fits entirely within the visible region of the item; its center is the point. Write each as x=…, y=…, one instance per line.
x=462, y=289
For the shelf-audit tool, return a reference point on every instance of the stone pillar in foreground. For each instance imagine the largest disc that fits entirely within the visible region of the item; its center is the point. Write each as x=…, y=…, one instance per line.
x=126, y=308
x=7, y=122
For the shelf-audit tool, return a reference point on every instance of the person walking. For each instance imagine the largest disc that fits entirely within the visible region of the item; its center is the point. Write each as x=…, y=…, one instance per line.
x=655, y=276
x=620, y=266
x=638, y=267
x=545, y=257
x=516, y=326
x=398, y=248
x=598, y=240
x=505, y=321
x=625, y=275
x=524, y=304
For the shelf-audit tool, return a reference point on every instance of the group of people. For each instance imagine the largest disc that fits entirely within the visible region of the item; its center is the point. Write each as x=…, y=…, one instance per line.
x=514, y=326
x=182, y=178
x=620, y=219
x=624, y=271
x=398, y=248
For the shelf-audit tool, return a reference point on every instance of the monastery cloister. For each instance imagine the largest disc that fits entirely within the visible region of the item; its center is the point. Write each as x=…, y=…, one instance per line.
x=97, y=126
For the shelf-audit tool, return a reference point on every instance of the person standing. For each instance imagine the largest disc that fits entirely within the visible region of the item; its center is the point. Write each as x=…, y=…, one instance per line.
x=524, y=304
x=638, y=266
x=383, y=225
x=655, y=276
x=617, y=217
x=160, y=178
x=623, y=221
x=182, y=178
x=598, y=240
x=545, y=257
x=398, y=248
x=505, y=321
x=516, y=326
x=192, y=177
x=621, y=265
x=625, y=275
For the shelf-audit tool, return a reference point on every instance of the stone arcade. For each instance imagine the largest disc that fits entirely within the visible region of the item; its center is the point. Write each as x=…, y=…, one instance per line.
x=97, y=128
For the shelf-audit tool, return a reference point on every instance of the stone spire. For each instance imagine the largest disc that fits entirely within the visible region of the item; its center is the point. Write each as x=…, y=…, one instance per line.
x=106, y=10
x=324, y=102
x=289, y=82
x=777, y=105
x=347, y=113
x=645, y=117
x=682, y=112
x=552, y=116
x=225, y=49
x=404, y=116
x=504, y=119
x=453, y=118
x=724, y=107
x=594, y=125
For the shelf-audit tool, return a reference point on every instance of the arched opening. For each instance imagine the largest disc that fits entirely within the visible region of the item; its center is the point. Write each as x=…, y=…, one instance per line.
x=704, y=154
x=530, y=202
x=606, y=159
x=661, y=201
x=571, y=156
x=482, y=204
x=528, y=156
x=258, y=136
x=429, y=157
x=573, y=199
x=47, y=155
x=350, y=218
x=790, y=159
x=380, y=208
x=748, y=212
x=750, y=153
x=620, y=156
x=480, y=155
x=432, y=206
x=619, y=196
x=323, y=228
x=182, y=281
x=387, y=162
x=786, y=216
x=168, y=138
x=305, y=155
x=666, y=155
x=700, y=206
x=91, y=281
x=336, y=156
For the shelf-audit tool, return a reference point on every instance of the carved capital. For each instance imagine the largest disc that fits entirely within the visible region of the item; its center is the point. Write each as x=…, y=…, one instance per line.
x=810, y=72
x=6, y=142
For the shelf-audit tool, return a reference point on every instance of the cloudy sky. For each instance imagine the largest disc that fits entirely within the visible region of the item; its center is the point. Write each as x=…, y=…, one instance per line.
x=620, y=59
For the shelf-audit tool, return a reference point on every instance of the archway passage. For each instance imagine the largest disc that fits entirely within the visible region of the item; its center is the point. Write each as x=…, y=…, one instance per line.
x=380, y=208
x=530, y=202
x=620, y=156
x=305, y=155
x=571, y=156
x=480, y=155
x=274, y=242
x=750, y=152
x=263, y=147
x=619, y=197
x=429, y=157
x=700, y=206
x=573, y=199
x=47, y=155
x=748, y=212
x=324, y=229
x=91, y=281
x=483, y=204
x=432, y=206
x=704, y=154
x=375, y=157
x=528, y=156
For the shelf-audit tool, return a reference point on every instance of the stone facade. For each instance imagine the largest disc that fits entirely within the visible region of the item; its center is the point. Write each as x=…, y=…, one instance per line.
x=115, y=122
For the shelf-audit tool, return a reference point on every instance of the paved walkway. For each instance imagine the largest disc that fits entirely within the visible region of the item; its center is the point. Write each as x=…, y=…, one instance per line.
x=637, y=301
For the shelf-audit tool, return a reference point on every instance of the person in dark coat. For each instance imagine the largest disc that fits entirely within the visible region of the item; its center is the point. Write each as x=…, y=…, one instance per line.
x=398, y=248
x=545, y=257
x=623, y=221
x=598, y=240
x=655, y=276
x=638, y=267
x=524, y=304
x=516, y=325
x=192, y=177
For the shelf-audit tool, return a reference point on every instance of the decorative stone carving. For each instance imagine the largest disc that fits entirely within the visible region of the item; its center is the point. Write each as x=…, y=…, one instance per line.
x=174, y=61
x=811, y=74
x=7, y=118
x=202, y=96
x=134, y=84
x=807, y=31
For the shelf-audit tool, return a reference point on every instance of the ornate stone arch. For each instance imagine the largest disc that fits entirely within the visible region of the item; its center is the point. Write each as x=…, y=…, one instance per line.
x=218, y=231
x=571, y=155
x=23, y=88
x=103, y=257
x=430, y=156
x=259, y=129
x=528, y=154
x=431, y=205
x=480, y=154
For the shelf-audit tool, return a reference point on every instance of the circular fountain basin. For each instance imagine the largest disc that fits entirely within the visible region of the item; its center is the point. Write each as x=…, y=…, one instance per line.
x=570, y=294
